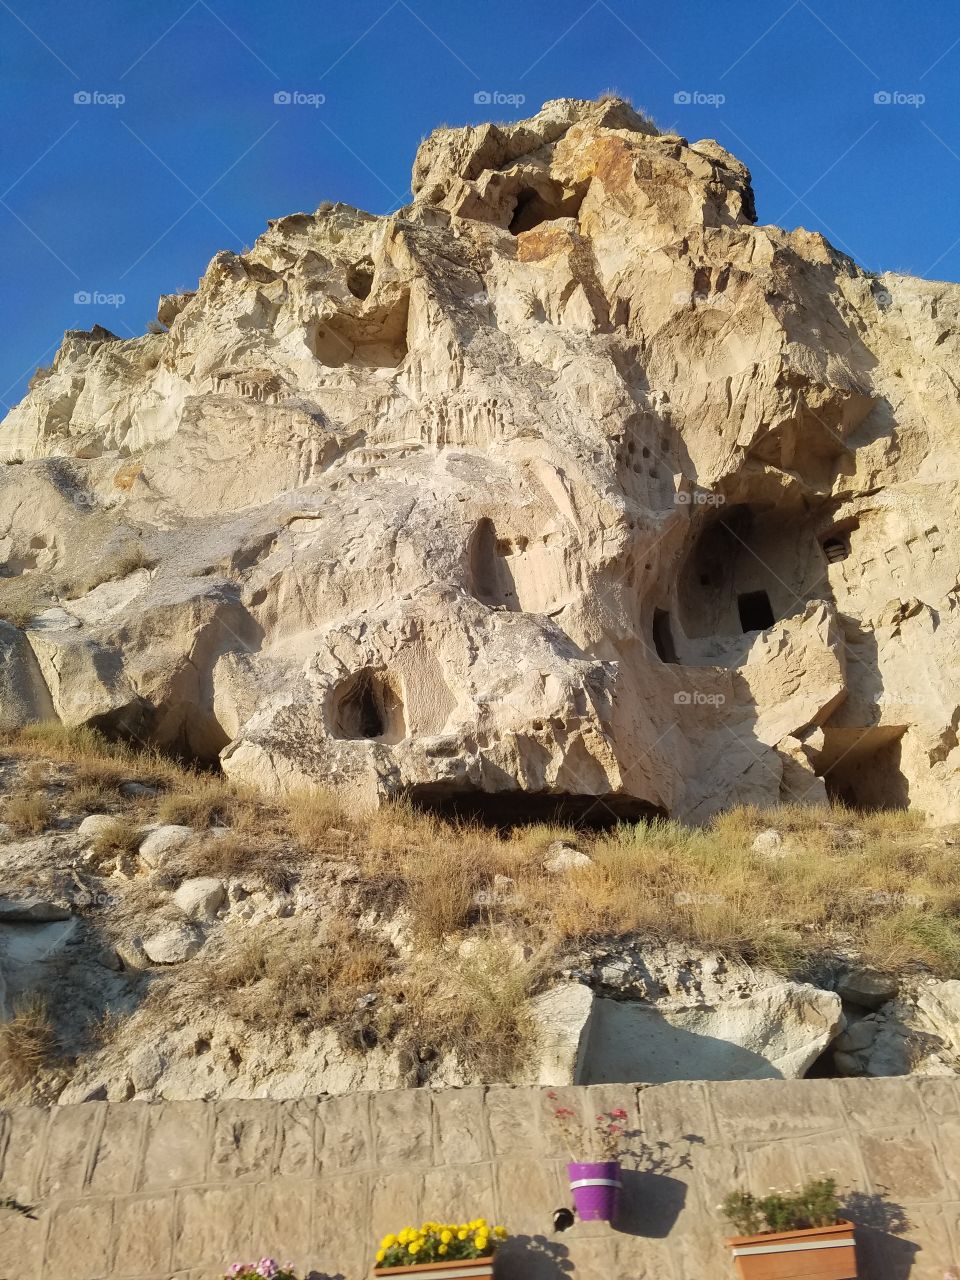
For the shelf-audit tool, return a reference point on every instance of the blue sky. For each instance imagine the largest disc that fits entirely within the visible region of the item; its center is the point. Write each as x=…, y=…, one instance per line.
x=129, y=199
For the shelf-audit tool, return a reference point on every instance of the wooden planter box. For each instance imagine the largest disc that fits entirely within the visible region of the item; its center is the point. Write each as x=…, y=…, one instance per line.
x=817, y=1253
x=464, y=1269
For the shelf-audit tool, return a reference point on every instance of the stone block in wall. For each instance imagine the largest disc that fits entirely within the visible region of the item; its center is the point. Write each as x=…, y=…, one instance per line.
x=395, y=1203
x=143, y=1234
x=69, y=1140
x=939, y=1096
x=78, y=1240
x=282, y=1222
x=25, y=1133
x=828, y=1155
x=672, y=1111
x=402, y=1125
x=513, y=1120
x=459, y=1192
x=528, y=1192
x=21, y=1241
x=902, y=1162
x=748, y=1110
x=244, y=1138
x=346, y=1139
x=115, y=1162
x=342, y=1243
x=880, y=1104
x=770, y=1164
x=212, y=1226
x=296, y=1126
x=177, y=1144
x=460, y=1130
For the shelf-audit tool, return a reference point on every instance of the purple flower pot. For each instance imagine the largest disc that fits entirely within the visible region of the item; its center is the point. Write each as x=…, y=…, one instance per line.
x=596, y=1189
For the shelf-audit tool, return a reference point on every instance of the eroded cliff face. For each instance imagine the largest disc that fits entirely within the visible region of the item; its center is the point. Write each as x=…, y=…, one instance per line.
x=566, y=484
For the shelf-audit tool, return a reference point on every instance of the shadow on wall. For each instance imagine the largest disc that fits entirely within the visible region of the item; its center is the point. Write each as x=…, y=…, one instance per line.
x=532, y=1258
x=881, y=1253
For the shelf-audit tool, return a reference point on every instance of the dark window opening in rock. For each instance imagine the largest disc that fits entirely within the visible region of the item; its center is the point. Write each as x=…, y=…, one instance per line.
x=367, y=706
x=755, y=610
x=504, y=810
x=861, y=768
x=534, y=207
x=663, y=636
x=360, y=278
x=491, y=580
x=835, y=549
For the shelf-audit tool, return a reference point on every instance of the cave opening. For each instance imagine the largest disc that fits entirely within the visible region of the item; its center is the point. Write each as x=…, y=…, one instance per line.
x=366, y=706
x=491, y=579
x=663, y=637
x=861, y=768
x=755, y=611
x=360, y=278
x=544, y=205
x=503, y=810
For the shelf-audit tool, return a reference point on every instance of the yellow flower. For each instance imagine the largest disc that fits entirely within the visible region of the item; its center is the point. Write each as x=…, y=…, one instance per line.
x=381, y=1254
x=462, y=1233
x=414, y=1247
x=500, y=1233
x=481, y=1242
x=446, y=1235
x=442, y=1249
x=388, y=1241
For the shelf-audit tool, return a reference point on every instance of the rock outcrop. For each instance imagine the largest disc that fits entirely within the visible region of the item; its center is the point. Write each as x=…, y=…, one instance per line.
x=566, y=487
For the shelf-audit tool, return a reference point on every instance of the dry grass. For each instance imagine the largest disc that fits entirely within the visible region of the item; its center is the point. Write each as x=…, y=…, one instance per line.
x=118, y=837
x=119, y=564
x=284, y=973
x=235, y=857
x=18, y=615
x=28, y=814
x=27, y=1043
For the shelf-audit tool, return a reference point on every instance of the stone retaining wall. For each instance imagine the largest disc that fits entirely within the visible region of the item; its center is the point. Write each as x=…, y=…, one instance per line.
x=181, y=1189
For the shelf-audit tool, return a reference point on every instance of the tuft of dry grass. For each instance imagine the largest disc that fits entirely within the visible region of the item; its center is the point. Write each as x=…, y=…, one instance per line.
x=233, y=856
x=118, y=837
x=119, y=564
x=27, y=814
x=18, y=615
x=284, y=973
x=27, y=1043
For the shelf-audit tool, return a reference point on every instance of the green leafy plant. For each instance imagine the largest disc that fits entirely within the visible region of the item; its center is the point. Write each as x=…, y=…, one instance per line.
x=815, y=1204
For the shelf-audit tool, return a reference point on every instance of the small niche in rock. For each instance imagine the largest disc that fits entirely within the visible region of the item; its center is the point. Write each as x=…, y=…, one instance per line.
x=503, y=810
x=366, y=705
x=755, y=610
x=544, y=204
x=491, y=579
x=836, y=545
x=377, y=340
x=663, y=636
x=360, y=278
x=861, y=768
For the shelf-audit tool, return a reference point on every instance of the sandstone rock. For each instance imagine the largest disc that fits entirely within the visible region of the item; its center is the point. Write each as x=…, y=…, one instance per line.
x=159, y=844
x=31, y=911
x=136, y=789
x=93, y=826
x=563, y=1016
x=940, y=1002
x=769, y=843
x=564, y=857
x=867, y=988
x=200, y=898
x=495, y=498
x=857, y=1036
x=173, y=945
x=776, y=1032
x=132, y=955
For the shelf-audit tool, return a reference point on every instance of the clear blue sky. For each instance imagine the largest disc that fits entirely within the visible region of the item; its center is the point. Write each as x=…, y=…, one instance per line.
x=134, y=199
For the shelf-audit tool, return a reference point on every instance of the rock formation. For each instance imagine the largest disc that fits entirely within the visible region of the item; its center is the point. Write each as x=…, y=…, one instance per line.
x=566, y=487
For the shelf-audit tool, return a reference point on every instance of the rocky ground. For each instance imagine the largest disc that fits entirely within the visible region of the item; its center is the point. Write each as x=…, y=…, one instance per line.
x=166, y=934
